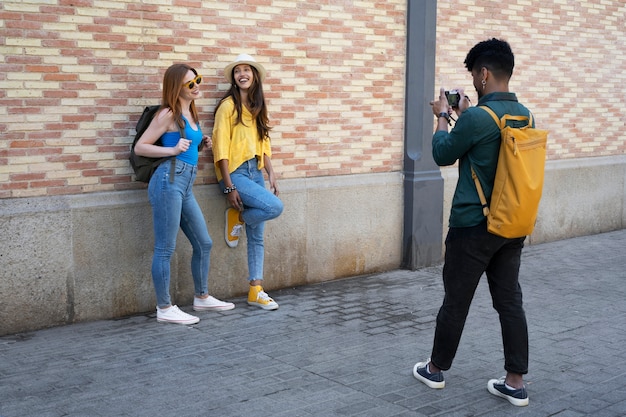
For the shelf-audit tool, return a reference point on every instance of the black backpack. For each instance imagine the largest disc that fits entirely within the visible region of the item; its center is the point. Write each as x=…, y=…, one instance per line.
x=144, y=166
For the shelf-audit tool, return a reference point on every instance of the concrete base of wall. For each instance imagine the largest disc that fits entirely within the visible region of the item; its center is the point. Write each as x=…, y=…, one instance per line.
x=85, y=257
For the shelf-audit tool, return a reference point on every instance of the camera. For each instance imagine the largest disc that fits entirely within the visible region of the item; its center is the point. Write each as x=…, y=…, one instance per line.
x=453, y=97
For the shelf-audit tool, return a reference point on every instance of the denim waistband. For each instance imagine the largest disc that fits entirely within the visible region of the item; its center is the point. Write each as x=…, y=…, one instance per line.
x=182, y=166
x=250, y=164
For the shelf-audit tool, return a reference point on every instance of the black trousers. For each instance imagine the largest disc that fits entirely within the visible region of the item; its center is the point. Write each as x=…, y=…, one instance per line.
x=470, y=252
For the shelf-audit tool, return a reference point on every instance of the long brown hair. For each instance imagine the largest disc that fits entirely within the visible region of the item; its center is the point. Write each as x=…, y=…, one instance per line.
x=172, y=86
x=258, y=108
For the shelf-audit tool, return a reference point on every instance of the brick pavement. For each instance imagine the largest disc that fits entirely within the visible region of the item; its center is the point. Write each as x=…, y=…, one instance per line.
x=343, y=348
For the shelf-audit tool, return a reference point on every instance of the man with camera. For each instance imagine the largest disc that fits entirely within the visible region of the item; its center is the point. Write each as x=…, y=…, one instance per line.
x=471, y=250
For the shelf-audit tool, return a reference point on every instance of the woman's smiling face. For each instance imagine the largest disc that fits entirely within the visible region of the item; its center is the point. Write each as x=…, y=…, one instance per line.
x=193, y=92
x=243, y=76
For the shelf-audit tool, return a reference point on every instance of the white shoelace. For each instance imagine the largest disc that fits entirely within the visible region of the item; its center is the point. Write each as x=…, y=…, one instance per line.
x=236, y=230
x=263, y=296
x=176, y=312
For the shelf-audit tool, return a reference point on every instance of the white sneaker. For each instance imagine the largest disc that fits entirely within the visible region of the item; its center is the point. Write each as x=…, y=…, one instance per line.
x=211, y=303
x=433, y=380
x=174, y=314
x=517, y=397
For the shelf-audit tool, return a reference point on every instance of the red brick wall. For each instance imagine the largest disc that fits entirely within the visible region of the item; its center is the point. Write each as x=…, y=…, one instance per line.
x=74, y=77
x=570, y=64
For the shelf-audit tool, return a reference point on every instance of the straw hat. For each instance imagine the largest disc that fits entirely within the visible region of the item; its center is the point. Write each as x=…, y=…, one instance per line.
x=243, y=59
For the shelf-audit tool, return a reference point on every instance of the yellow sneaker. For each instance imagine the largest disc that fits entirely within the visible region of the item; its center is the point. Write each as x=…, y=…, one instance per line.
x=258, y=297
x=234, y=227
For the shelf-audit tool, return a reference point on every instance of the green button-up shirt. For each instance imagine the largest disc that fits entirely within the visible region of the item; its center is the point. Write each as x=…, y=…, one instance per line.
x=474, y=142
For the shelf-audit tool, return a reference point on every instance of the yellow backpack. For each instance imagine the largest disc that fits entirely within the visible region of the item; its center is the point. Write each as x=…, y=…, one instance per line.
x=519, y=178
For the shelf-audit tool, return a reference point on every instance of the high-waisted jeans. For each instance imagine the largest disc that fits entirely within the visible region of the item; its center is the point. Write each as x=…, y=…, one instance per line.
x=259, y=205
x=470, y=252
x=174, y=206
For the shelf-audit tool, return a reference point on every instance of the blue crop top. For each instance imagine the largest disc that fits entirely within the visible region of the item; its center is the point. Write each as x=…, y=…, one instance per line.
x=190, y=156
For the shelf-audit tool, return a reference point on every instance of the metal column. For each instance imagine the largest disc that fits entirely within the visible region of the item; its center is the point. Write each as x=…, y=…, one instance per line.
x=423, y=183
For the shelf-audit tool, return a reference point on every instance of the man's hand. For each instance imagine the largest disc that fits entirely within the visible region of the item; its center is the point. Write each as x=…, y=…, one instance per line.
x=464, y=103
x=441, y=105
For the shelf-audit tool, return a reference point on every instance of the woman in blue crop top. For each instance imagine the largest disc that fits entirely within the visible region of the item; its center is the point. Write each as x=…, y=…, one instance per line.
x=173, y=202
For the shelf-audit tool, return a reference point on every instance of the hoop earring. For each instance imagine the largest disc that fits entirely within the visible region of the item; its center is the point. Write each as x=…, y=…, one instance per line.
x=484, y=84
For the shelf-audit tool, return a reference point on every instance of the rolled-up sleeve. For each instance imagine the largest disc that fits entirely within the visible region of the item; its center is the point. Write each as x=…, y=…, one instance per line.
x=448, y=147
x=222, y=131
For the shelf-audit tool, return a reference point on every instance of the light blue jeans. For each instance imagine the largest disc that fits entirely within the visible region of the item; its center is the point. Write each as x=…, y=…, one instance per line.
x=259, y=205
x=174, y=206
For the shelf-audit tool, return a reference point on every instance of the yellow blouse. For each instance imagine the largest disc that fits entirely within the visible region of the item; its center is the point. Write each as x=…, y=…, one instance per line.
x=236, y=142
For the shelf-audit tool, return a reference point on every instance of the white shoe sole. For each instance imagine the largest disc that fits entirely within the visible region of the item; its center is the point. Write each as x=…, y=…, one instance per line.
x=264, y=306
x=216, y=308
x=178, y=321
x=515, y=401
x=428, y=382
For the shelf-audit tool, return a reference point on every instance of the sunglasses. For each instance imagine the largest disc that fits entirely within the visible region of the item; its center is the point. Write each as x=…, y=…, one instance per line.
x=191, y=84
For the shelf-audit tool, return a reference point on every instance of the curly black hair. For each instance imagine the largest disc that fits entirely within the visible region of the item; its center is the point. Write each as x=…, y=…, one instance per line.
x=494, y=54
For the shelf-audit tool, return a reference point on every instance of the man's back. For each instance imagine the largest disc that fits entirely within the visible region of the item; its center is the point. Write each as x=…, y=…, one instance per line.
x=474, y=142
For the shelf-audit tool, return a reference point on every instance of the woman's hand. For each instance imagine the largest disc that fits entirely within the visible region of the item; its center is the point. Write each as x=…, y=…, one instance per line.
x=182, y=146
x=273, y=183
x=235, y=200
x=233, y=197
x=206, y=142
x=271, y=177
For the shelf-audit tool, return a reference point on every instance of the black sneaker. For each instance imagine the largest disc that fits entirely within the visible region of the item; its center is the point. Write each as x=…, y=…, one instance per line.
x=434, y=380
x=518, y=397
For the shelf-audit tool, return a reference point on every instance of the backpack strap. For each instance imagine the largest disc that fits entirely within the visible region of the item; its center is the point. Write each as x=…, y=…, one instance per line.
x=181, y=130
x=493, y=115
x=502, y=122
x=479, y=188
x=481, y=194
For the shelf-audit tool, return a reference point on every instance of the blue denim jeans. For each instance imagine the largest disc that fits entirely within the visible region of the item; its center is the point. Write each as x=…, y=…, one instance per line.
x=470, y=252
x=174, y=206
x=259, y=205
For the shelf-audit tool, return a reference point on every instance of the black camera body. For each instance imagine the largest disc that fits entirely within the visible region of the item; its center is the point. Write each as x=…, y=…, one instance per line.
x=453, y=97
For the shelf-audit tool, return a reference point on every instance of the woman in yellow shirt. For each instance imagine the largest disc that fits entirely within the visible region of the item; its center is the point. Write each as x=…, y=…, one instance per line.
x=241, y=149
